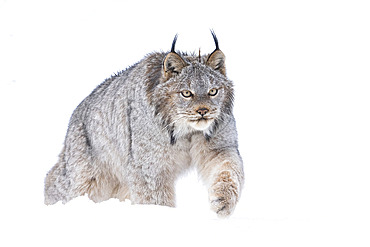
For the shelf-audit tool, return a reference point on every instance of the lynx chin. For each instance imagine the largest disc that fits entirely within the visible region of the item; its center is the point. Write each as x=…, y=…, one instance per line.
x=139, y=130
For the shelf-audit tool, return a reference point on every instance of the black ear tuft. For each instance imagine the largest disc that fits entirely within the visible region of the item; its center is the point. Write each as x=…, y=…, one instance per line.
x=216, y=60
x=215, y=39
x=174, y=43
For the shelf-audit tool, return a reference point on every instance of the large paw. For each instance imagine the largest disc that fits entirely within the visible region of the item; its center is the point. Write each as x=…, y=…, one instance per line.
x=223, y=194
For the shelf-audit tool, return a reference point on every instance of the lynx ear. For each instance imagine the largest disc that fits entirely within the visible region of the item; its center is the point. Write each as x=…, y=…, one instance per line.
x=217, y=61
x=173, y=63
x=217, y=58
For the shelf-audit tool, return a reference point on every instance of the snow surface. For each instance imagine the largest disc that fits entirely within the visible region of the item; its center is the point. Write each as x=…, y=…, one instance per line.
x=301, y=73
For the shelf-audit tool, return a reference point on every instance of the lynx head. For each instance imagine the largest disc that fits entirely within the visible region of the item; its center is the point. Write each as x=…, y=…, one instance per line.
x=191, y=93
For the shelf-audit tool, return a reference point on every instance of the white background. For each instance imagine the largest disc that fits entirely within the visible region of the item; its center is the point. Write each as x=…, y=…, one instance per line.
x=301, y=71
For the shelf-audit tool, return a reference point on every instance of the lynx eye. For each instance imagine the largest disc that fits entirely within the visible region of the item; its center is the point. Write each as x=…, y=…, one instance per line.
x=213, y=92
x=186, y=94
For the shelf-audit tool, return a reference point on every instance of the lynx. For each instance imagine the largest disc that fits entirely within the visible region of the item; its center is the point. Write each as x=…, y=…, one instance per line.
x=141, y=129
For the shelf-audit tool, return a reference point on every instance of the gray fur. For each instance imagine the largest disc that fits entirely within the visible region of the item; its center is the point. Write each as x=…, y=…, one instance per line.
x=135, y=134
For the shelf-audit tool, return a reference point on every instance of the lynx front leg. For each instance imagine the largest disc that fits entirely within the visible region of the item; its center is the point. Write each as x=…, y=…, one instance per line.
x=224, y=193
x=224, y=177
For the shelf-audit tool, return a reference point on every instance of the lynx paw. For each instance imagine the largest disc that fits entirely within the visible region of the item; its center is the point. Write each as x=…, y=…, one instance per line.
x=223, y=195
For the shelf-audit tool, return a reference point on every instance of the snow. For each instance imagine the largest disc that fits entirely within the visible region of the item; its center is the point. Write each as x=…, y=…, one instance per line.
x=301, y=73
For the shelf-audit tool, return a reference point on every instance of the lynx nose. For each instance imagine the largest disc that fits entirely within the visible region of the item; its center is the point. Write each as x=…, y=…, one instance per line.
x=202, y=111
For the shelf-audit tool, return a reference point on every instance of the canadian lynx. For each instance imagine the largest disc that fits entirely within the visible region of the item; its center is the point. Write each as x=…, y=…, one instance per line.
x=139, y=130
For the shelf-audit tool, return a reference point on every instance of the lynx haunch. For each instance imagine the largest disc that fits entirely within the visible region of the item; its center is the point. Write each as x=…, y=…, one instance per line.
x=138, y=131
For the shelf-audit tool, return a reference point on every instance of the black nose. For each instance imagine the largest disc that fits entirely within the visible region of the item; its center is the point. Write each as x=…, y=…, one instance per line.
x=202, y=111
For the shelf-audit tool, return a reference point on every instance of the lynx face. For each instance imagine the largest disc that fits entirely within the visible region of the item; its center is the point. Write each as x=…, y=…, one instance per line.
x=190, y=93
x=198, y=97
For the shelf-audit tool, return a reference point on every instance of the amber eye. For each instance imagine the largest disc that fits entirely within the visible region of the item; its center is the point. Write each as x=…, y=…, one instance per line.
x=186, y=94
x=213, y=92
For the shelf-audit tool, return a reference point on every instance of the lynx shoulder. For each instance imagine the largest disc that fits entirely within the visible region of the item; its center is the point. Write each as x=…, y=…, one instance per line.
x=138, y=131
